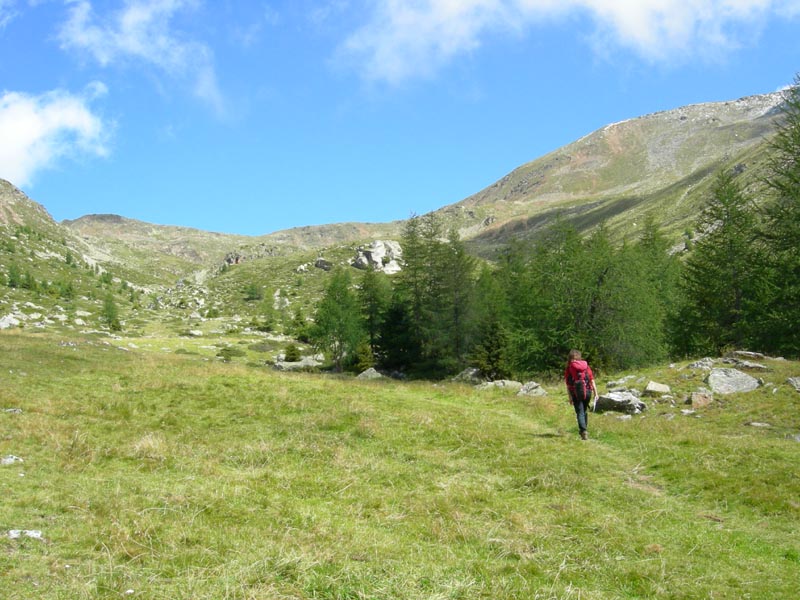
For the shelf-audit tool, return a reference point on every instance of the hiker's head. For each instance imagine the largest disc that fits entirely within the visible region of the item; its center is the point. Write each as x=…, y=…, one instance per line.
x=573, y=355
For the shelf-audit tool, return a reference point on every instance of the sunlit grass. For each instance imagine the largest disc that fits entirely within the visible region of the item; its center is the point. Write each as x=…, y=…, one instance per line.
x=153, y=474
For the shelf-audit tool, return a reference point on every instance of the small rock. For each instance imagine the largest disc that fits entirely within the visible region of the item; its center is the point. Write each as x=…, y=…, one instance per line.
x=34, y=534
x=13, y=411
x=794, y=382
x=656, y=389
x=10, y=460
x=757, y=424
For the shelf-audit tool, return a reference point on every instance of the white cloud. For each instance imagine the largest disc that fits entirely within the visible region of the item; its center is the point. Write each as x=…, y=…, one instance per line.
x=142, y=32
x=7, y=12
x=404, y=39
x=38, y=131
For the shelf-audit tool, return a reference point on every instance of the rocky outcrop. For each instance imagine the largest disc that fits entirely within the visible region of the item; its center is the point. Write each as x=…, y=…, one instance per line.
x=380, y=255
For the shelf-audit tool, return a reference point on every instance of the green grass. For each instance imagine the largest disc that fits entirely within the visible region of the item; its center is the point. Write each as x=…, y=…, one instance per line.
x=178, y=476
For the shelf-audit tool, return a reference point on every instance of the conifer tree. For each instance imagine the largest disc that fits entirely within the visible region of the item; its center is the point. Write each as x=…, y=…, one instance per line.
x=337, y=328
x=374, y=296
x=720, y=279
x=782, y=231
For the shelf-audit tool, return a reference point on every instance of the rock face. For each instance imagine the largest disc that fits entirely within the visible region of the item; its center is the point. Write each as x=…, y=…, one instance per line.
x=730, y=381
x=380, y=255
x=623, y=402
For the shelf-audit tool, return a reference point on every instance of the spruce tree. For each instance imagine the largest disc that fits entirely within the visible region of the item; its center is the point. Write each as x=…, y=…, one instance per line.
x=782, y=231
x=720, y=282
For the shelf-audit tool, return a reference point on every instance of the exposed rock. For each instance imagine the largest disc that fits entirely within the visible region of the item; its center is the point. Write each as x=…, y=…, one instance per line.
x=9, y=322
x=730, y=381
x=10, y=460
x=622, y=382
x=506, y=384
x=794, y=382
x=705, y=364
x=307, y=362
x=470, y=375
x=701, y=399
x=624, y=402
x=323, y=264
x=757, y=424
x=532, y=388
x=370, y=374
x=656, y=389
x=746, y=355
x=380, y=255
x=34, y=534
x=13, y=411
x=745, y=364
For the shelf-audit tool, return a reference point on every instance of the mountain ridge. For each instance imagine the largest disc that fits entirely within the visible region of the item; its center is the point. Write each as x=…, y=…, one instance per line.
x=657, y=164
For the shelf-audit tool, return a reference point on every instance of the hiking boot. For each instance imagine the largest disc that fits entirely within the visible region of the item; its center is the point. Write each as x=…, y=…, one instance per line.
x=584, y=435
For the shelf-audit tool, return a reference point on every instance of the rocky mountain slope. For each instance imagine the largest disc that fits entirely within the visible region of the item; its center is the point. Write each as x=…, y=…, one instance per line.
x=658, y=164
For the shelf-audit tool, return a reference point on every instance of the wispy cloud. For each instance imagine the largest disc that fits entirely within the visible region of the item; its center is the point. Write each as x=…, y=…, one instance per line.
x=38, y=131
x=7, y=12
x=142, y=32
x=406, y=39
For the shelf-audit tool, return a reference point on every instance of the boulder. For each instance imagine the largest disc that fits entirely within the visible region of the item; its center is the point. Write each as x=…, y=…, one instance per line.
x=323, y=264
x=10, y=460
x=506, y=384
x=656, y=389
x=470, y=375
x=531, y=388
x=9, y=322
x=623, y=402
x=730, y=381
x=794, y=382
x=370, y=374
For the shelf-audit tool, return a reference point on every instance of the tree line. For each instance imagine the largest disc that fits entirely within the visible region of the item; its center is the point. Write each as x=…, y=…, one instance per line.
x=624, y=305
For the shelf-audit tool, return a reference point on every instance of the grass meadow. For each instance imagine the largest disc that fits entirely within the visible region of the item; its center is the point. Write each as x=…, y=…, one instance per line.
x=160, y=475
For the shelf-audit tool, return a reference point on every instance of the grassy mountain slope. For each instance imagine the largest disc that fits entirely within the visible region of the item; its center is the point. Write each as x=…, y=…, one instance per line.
x=658, y=164
x=150, y=474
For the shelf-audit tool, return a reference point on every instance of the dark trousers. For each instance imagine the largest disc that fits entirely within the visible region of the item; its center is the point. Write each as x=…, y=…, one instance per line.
x=582, y=412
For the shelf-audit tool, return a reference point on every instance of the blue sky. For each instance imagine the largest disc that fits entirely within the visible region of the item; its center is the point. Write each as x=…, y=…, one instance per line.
x=250, y=117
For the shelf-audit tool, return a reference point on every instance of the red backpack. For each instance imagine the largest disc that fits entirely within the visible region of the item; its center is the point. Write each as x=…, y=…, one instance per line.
x=580, y=383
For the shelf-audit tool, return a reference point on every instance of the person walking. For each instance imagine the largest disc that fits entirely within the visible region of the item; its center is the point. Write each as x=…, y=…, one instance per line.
x=580, y=384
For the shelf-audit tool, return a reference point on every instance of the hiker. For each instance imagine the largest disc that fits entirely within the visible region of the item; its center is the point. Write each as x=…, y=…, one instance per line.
x=580, y=385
